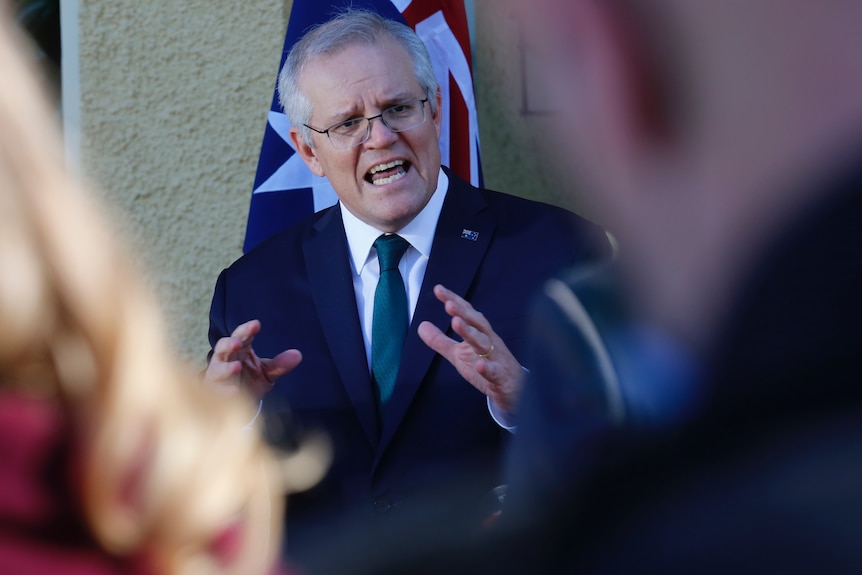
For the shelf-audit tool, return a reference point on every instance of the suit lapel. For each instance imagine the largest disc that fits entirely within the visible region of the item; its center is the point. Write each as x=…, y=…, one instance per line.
x=330, y=277
x=463, y=235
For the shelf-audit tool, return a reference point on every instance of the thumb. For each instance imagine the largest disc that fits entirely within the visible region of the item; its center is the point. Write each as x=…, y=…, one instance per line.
x=281, y=364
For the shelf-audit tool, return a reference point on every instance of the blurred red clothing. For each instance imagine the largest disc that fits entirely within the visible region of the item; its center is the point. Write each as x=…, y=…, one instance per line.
x=42, y=527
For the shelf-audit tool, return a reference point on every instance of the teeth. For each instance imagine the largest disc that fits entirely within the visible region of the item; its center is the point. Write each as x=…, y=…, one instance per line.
x=389, y=166
x=390, y=179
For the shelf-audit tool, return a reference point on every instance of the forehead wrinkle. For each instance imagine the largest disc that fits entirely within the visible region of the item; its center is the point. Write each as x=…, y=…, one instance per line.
x=352, y=110
x=344, y=113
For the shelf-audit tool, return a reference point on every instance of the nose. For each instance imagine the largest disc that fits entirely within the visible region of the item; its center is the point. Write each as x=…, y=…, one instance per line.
x=379, y=135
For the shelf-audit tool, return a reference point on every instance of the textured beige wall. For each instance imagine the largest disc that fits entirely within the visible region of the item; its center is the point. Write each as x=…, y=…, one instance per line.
x=174, y=98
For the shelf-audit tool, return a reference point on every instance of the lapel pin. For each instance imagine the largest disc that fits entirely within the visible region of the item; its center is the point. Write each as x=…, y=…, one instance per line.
x=469, y=235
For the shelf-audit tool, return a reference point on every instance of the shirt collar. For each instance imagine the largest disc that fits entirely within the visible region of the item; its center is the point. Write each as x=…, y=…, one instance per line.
x=419, y=231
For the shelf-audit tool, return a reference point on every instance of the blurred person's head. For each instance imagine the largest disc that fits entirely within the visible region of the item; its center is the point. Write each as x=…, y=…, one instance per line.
x=694, y=126
x=356, y=66
x=161, y=465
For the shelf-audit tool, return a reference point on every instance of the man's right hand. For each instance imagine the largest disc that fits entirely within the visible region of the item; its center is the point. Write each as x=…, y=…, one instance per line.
x=234, y=364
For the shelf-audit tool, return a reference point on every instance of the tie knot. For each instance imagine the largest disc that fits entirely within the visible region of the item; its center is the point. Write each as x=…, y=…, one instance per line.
x=390, y=248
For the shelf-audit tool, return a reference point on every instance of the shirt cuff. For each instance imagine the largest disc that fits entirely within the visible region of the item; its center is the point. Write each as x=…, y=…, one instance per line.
x=504, y=419
x=250, y=424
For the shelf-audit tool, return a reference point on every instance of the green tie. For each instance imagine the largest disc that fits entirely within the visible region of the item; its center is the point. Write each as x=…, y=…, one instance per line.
x=389, y=324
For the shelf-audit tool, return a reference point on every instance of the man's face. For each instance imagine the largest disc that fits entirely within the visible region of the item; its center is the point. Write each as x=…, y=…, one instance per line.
x=363, y=81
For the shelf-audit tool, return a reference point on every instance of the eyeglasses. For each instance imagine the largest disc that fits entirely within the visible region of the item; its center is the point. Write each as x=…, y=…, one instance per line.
x=356, y=131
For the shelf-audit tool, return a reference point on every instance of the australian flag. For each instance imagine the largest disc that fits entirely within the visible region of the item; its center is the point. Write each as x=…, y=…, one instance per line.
x=286, y=191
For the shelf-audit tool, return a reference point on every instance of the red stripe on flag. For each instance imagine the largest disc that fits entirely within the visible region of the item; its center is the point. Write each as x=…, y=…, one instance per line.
x=459, y=143
x=455, y=16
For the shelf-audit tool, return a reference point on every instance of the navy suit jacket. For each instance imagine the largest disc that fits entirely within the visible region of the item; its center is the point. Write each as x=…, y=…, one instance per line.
x=436, y=428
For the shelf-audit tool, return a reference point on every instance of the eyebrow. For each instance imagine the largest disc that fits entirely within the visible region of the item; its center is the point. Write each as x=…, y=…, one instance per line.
x=342, y=116
x=350, y=113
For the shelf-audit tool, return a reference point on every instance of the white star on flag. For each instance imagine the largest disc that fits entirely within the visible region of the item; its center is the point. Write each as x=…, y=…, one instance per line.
x=293, y=173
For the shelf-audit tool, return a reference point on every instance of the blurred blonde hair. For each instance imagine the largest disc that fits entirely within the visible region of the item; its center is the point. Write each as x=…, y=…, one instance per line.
x=165, y=465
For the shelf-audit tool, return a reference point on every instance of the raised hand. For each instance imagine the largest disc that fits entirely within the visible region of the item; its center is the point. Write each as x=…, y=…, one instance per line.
x=482, y=358
x=234, y=365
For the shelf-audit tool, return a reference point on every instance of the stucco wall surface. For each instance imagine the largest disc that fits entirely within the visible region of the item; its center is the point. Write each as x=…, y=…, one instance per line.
x=174, y=98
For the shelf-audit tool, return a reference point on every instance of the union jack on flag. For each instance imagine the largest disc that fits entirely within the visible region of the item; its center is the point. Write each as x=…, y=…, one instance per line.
x=285, y=190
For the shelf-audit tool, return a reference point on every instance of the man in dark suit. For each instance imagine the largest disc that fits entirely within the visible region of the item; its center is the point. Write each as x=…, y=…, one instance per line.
x=364, y=104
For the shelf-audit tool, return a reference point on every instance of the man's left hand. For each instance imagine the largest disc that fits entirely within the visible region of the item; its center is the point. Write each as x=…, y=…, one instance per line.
x=482, y=358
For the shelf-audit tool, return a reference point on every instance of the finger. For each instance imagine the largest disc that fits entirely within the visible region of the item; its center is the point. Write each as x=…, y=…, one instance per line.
x=472, y=325
x=456, y=306
x=442, y=293
x=452, y=302
x=252, y=365
x=231, y=348
x=467, y=322
x=469, y=315
x=478, y=340
x=281, y=364
x=222, y=372
x=226, y=350
x=437, y=340
x=447, y=296
x=245, y=332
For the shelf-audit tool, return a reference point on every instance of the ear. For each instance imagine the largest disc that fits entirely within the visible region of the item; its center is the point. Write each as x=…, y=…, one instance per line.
x=306, y=152
x=438, y=115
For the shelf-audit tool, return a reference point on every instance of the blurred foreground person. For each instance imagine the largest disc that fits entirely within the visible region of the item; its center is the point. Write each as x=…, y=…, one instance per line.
x=113, y=458
x=695, y=407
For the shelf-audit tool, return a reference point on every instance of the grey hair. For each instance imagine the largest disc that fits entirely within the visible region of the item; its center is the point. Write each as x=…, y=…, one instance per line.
x=349, y=28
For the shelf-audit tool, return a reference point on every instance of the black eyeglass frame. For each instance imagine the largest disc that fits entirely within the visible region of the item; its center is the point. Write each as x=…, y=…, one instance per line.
x=422, y=101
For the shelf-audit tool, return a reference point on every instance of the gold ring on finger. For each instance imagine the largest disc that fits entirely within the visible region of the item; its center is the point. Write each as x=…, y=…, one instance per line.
x=487, y=354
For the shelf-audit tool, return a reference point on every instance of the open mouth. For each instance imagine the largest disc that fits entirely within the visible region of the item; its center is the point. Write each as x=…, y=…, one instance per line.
x=383, y=174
